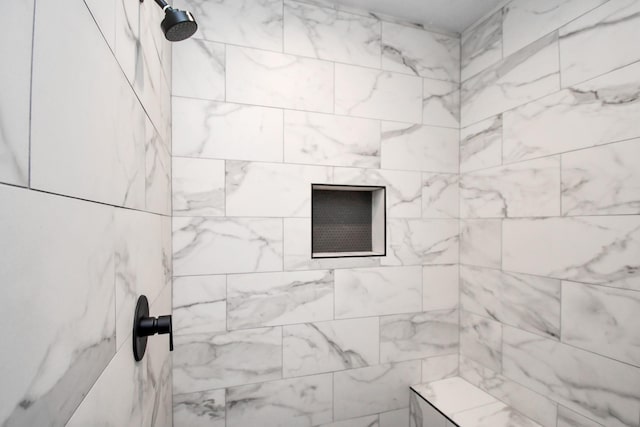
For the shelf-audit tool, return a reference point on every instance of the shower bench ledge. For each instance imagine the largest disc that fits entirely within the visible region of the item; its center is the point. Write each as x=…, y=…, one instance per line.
x=454, y=402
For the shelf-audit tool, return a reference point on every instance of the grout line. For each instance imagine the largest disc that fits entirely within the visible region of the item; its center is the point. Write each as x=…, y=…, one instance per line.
x=30, y=132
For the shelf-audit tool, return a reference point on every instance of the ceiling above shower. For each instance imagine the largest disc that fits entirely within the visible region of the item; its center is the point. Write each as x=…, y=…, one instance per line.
x=450, y=15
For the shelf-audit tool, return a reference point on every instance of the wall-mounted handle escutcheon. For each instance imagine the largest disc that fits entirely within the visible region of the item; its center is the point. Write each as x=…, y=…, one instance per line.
x=145, y=326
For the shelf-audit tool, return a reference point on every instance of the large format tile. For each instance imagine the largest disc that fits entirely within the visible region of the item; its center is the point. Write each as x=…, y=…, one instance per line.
x=199, y=70
x=58, y=284
x=440, y=103
x=202, y=409
x=198, y=187
x=481, y=145
x=421, y=242
x=481, y=340
x=440, y=195
x=157, y=171
x=278, y=80
x=199, y=304
x=481, y=46
x=439, y=367
x=439, y=287
x=481, y=242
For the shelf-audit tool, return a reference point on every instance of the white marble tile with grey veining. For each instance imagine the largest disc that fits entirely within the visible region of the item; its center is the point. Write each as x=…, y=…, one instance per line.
x=529, y=74
x=481, y=46
x=209, y=361
x=602, y=180
x=270, y=299
x=373, y=389
x=105, y=16
x=586, y=43
x=481, y=242
x=377, y=291
x=368, y=421
x=403, y=188
x=226, y=245
x=422, y=414
x=569, y=418
x=157, y=171
x=492, y=415
x=274, y=79
x=524, y=189
x=440, y=195
x=439, y=367
x=445, y=395
x=481, y=145
x=398, y=417
x=201, y=409
x=602, y=320
x=594, y=386
x=419, y=52
x=377, y=94
x=527, y=302
x=419, y=148
x=439, y=287
x=440, y=103
x=271, y=189
x=331, y=34
x=199, y=304
x=198, y=187
x=421, y=242
x=418, y=335
x=481, y=340
x=297, y=402
x=596, y=249
x=323, y=139
x=253, y=23
x=218, y=130
x=199, y=70
x=313, y=348
x=598, y=111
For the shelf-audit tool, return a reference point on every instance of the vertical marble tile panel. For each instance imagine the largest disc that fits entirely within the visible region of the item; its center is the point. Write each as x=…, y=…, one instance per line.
x=440, y=195
x=198, y=187
x=337, y=345
x=399, y=417
x=277, y=80
x=377, y=94
x=226, y=245
x=439, y=287
x=423, y=53
x=481, y=340
x=199, y=70
x=419, y=148
x=481, y=145
x=374, y=389
x=253, y=23
x=270, y=299
x=323, y=139
x=481, y=46
x=199, y=304
x=203, y=409
x=331, y=34
x=298, y=402
x=569, y=418
x=226, y=131
x=439, y=367
x=440, y=103
x=481, y=242
x=377, y=291
x=421, y=242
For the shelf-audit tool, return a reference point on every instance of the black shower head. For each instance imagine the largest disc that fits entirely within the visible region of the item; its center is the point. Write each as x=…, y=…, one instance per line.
x=177, y=25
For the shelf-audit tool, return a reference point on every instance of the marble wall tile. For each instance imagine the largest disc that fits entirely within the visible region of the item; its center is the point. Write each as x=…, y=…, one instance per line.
x=377, y=291
x=439, y=287
x=568, y=418
x=403, y=188
x=602, y=180
x=419, y=148
x=596, y=112
x=209, y=245
x=399, y=417
x=481, y=340
x=104, y=13
x=71, y=341
x=270, y=299
x=594, y=386
x=368, y=421
x=209, y=361
x=271, y=190
x=199, y=70
x=199, y=304
x=440, y=103
x=198, y=187
x=439, y=367
x=481, y=46
x=128, y=39
x=422, y=414
x=337, y=345
x=323, y=139
x=527, y=302
x=277, y=80
x=253, y=23
x=376, y=94
x=15, y=86
x=157, y=171
x=481, y=145
x=585, y=43
x=418, y=335
x=481, y=242
x=529, y=74
x=596, y=250
x=423, y=53
x=440, y=195
x=226, y=131
x=421, y=242
x=603, y=320
x=524, y=189
x=331, y=34
x=202, y=409
x=373, y=389
x=302, y=402
x=527, y=20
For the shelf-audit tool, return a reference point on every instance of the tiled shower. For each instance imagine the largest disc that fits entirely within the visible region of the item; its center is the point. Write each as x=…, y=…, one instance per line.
x=510, y=155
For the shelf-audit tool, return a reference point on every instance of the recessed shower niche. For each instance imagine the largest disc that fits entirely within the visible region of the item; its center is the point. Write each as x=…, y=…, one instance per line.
x=347, y=221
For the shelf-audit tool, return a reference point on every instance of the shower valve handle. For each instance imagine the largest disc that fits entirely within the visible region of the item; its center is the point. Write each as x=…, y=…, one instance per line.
x=145, y=326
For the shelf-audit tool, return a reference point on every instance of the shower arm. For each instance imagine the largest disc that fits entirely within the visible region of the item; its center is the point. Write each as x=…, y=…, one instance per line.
x=163, y=4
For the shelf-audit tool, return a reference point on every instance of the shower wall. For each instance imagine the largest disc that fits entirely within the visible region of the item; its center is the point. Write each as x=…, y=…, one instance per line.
x=268, y=98
x=549, y=206
x=85, y=212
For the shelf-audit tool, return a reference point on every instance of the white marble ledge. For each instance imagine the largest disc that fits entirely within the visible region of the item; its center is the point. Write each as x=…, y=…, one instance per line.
x=469, y=406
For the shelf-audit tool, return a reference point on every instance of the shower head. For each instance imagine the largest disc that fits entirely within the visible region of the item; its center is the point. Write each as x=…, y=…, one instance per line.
x=177, y=25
